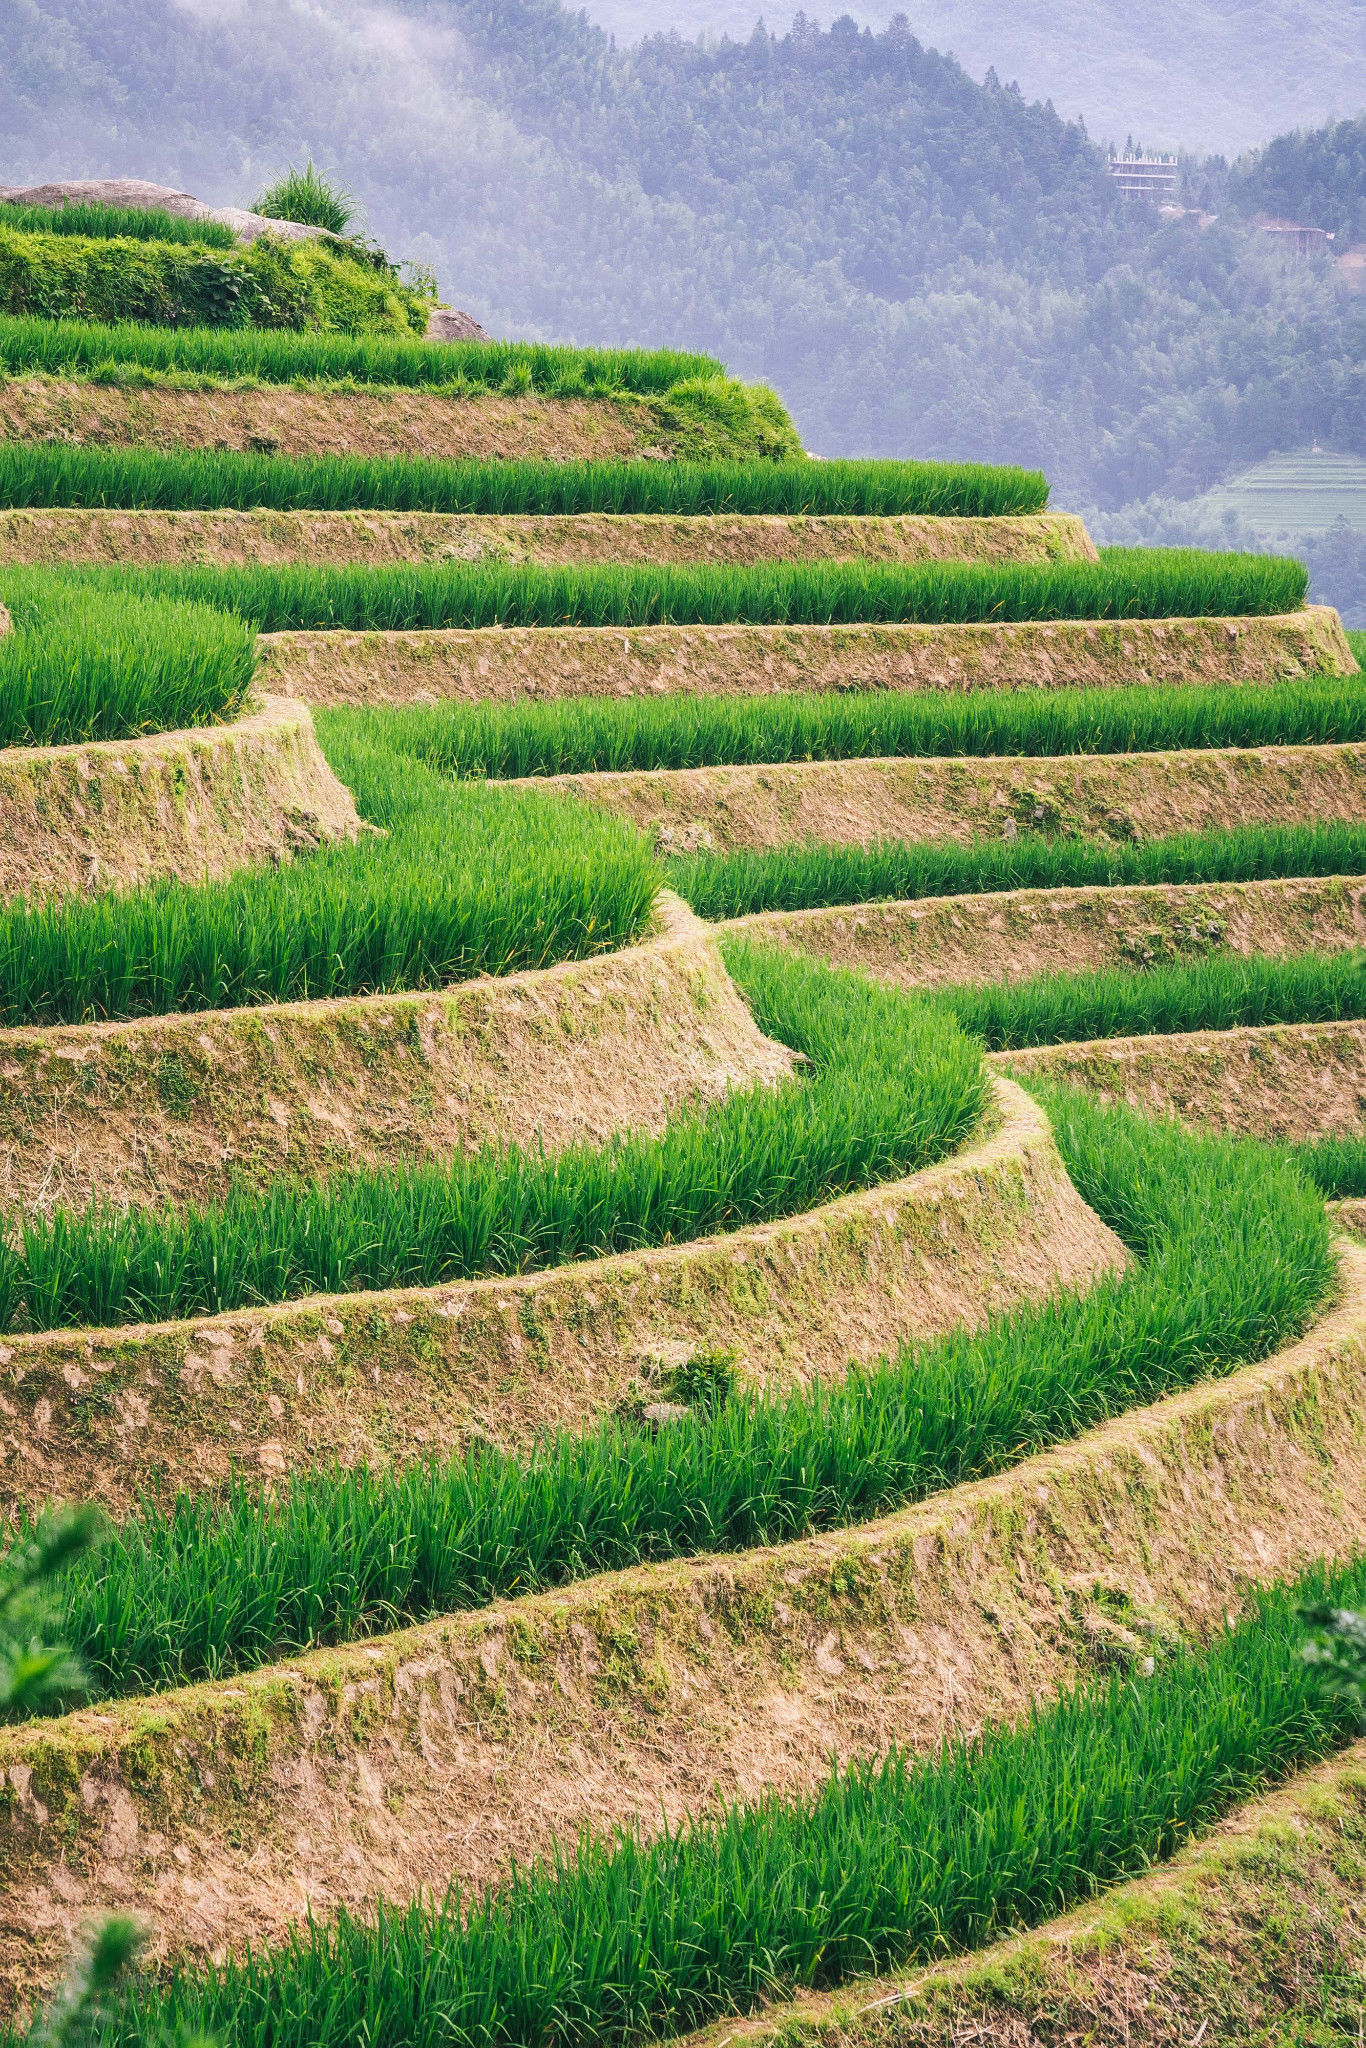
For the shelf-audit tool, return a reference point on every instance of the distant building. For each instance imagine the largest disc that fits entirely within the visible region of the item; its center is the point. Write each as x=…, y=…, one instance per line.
x=1292, y=234
x=1145, y=177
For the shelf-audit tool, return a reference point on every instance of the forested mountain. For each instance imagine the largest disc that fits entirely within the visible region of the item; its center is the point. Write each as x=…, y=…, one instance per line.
x=1318, y=177
x=920, y=263
x=1212, y=75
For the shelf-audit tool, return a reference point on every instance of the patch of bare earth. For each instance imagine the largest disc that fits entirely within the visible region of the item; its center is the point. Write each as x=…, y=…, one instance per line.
x=966, y=800
x=176, y=1109
x=233, y=537
x=946, y=939
x=386, y=1377
x=193, y=804
x=444, y=1752
x=282, y=419
x=1287, y=1081
x=507, y=664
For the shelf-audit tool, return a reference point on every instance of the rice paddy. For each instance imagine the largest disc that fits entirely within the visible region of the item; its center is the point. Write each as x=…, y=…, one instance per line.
x=621, y=1940
x=591, y=735
x=1222, y=993
x=1233, y=1259
x=34, y=347
x=182, y=480
x=460, y=882
x=1127, y=583
x=743, y=884
x=626, y=1936
x=887, y=1092
x=81, y=666
x=105, y=223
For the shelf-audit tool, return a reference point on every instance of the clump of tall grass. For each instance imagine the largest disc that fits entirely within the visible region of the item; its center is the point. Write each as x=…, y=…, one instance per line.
x=30, y=346
x=590, y=735
x=108, y=223
x=889, y=1090
x=1220, y=993
x=309, y=197
x=467, y=881
x=85, y=665
x=743, y=883
x=895, y=1861
x=1232, y=1258
x=1127, y=583
x=180, y=480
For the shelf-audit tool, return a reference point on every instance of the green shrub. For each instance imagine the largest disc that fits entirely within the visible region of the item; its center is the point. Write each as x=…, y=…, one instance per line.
x=269, y=283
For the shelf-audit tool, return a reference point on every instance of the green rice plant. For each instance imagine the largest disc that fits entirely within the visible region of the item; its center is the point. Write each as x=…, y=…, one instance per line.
x=1220, y=993
x=106, y=223
x=591, y=735
x=743, y=883
x=1232, y=1258
x=887, y=1092
x=308, y=197
x=190, y=479
x=1336, y=1165
x=894, y=1861
x=84, y=665
x=59, y=348
x=464, y=881
x=1127, y=583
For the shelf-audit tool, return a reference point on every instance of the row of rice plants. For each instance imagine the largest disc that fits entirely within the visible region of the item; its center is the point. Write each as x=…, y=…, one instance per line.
x=87, y=665
x=30, y=346
x=465, y=881
x=591, y=735
x=619, y=1940
x=1232, y=1259
x=1223, y=992
x=888, y=1089
x=183, y=480
x=106, y=223
x=745, y=883
x=1127, y=583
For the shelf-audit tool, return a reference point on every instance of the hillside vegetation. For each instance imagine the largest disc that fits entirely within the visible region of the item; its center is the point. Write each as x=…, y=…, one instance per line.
x=920, y=264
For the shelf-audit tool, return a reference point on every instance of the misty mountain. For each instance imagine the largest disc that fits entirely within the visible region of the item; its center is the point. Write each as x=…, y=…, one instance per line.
x=922, y=264
x=1207, y=75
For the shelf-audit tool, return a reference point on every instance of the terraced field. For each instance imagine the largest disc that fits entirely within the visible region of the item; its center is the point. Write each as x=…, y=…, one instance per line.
x=680, y=1146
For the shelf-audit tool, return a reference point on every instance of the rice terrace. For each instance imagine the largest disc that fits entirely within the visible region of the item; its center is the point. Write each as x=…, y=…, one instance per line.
x=683, y=1287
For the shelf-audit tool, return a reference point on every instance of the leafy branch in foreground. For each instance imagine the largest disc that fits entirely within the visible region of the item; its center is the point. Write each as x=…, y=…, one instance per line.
x=1336, y=1647
x=36, y=1673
